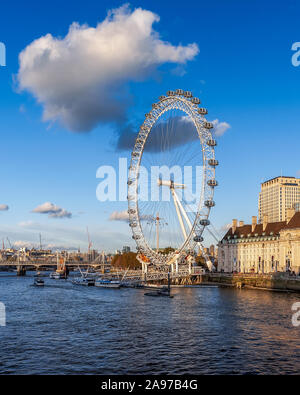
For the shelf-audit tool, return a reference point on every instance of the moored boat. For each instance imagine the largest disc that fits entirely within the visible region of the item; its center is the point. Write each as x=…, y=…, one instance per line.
x=107, y=283
x=86, y=281
x=165, y=291
x=57, y=275
x=38, y=282
x=160, y=292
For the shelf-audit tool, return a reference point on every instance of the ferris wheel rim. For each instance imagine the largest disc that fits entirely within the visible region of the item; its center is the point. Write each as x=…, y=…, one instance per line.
x=180, y=101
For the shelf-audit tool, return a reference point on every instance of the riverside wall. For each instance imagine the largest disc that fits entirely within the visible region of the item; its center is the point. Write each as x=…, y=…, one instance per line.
x=276, y=281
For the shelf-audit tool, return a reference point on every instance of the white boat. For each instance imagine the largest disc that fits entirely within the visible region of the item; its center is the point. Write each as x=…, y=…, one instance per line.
x=87, y=281
x=165, y=291
x=107, y=283
x=56, y=275
x=38, y=282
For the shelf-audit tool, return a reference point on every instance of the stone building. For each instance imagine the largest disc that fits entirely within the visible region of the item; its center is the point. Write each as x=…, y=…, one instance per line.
x=262, y=248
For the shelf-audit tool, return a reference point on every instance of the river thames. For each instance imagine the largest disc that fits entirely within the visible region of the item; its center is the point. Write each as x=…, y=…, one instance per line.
x=68, y=329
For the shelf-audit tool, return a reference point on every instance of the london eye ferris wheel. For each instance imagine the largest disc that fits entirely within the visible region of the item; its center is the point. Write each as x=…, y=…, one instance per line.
x=171, y=179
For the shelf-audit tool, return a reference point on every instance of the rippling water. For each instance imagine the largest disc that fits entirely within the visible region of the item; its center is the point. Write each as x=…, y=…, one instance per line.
x=68, y=329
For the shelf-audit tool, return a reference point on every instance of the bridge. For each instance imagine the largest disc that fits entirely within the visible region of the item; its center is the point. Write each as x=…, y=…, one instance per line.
x=22, y=265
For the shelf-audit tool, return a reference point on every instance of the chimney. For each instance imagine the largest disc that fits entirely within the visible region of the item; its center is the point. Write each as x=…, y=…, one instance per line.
x=254, y=223
x=241, y=223
x=290, y=212
x=265, y=221
x=234, y=225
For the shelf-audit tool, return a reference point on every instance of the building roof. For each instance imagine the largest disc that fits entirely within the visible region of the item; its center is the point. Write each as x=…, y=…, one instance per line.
x=275, y=178
x=294, y=222
x=272, y=227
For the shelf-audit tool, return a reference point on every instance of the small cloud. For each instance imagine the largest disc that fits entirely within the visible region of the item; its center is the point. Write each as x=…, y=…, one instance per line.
x=124, y=216
x=119, y=216
x=179, y=71
x=62, y=213
x=55, y=247
x=52, y=210
x=27, y=224
x=298, y=173
x=4, y=207
x=22, y=109
x=220, y=127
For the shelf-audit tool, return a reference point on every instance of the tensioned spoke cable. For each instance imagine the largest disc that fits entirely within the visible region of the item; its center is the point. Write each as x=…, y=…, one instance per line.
x=216, y=231
x=212, y=234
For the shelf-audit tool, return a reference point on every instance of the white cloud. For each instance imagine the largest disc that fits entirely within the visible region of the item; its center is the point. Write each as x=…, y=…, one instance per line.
x=52, y=210
x=124, y=216
x=119, y=216
x=81, y=79
x=220, y=127
x=23, y=244
x=55, y=247
x=183, y=132
x=28, y=224
x=22, y=109
x=4, y=207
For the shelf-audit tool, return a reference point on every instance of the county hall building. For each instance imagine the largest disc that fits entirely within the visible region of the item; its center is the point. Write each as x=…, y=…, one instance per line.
x=272, y=243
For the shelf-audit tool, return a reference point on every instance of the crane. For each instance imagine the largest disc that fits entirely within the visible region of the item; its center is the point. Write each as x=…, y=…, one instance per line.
x=9, y=242
x=90, y=243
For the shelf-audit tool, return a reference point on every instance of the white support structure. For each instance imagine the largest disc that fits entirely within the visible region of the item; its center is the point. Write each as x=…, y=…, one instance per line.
x=178, y=203
x=178, y=213
x=182, y=210
x=157, y=232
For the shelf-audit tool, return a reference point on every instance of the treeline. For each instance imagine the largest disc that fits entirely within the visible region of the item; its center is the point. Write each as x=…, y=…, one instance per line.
x=126, y=260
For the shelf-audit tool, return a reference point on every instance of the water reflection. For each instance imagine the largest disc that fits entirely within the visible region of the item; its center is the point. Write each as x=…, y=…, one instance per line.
x=70, y=329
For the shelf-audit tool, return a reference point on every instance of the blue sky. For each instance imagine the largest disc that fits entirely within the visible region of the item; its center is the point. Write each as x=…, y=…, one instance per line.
x=243, y=75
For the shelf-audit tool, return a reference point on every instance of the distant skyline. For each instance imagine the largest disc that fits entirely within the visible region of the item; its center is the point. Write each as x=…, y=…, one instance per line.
x=78, y=83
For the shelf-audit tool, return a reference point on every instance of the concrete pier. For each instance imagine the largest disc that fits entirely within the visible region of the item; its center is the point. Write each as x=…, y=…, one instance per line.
x=21, y=271
x=276, y=281
x=271, y=282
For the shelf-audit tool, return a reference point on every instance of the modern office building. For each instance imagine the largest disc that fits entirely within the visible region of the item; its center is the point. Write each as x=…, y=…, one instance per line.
x=277, y=196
